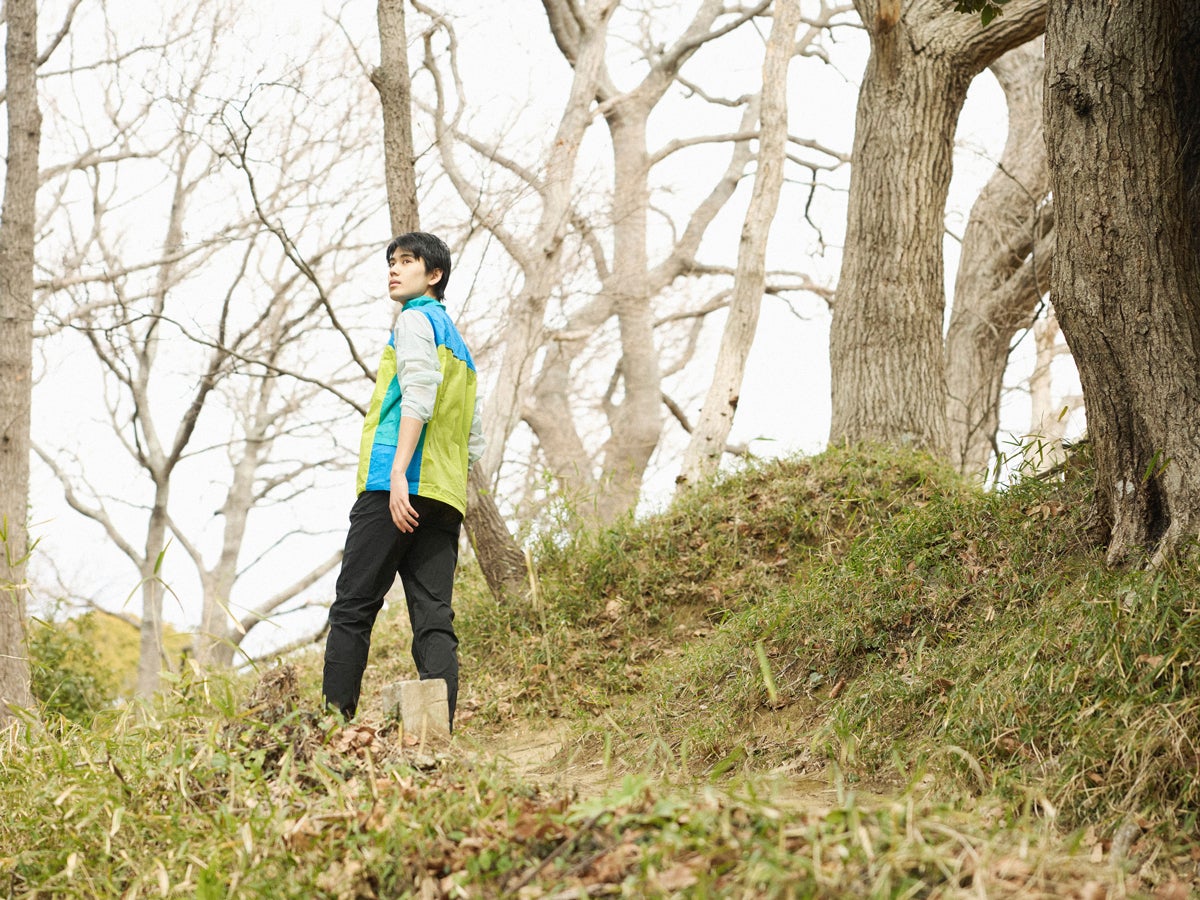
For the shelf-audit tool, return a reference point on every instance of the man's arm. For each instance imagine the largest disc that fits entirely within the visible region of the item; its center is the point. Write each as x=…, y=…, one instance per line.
x=399, y=504
x=476, y=443
x=419, y=375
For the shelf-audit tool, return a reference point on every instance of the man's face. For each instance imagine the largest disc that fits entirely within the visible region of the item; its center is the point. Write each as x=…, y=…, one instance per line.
x=407, y=278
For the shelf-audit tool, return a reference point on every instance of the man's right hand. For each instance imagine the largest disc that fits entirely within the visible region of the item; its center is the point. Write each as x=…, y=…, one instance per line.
x=401, y=509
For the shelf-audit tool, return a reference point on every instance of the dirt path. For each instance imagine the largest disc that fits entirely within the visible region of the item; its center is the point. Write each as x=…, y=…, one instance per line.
x=546, y=756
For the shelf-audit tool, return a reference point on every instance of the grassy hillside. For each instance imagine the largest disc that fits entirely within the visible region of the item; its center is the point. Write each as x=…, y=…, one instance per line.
x=872, y=610
x=1024, y=721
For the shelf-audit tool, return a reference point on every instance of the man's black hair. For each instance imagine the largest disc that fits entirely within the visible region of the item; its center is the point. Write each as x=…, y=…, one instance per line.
x=431, y=250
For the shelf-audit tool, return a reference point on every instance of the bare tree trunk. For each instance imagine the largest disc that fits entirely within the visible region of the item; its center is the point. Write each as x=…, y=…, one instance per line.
x=635, y=422
x=151, y=659
x=704, y=450
x=1047, y=417
x=216, y=640
x=1123, y=130
x=394, y=84
x=500, y=558
x=16, y=341
x=1004, y=268
x=886, y=336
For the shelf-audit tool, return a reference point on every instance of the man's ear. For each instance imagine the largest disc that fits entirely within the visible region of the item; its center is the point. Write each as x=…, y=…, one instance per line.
x=434, y=277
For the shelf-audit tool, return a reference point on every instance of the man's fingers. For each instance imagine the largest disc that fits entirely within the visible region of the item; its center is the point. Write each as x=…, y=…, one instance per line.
x=403, y=515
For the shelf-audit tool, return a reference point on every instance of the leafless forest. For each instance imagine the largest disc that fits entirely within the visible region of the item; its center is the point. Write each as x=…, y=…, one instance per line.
x=191, y=255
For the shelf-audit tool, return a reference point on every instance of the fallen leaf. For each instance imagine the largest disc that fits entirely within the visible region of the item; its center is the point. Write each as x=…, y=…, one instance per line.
x=1009, y=868
x=616, y=863
x=676, y=878
x=301, y=833
x=346, y=880
x=1173, y=890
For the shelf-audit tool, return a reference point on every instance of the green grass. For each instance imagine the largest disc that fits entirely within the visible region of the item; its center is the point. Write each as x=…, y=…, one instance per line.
x=196, y=798
x=994, y=712
x=977, y=635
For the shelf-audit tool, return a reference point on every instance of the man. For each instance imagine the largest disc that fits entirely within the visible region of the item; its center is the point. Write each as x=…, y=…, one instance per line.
x=421, y=433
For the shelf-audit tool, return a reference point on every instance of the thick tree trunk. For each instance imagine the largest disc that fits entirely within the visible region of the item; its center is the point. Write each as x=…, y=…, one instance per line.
x=635, y=421
x=704, y=451
x=1004, y=268
x=500, y=559
x=1123, y=129
x=16, y=342
x=886, y=336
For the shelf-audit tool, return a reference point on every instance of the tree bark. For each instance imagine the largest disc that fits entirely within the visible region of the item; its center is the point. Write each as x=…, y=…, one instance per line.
x=886, y=347
x=151, y=656
x=707, y=445
x=1004, y=268
x=1123, y=131
x=635, y=421
x=394, y=84
x=500, y=559
x=17, y=219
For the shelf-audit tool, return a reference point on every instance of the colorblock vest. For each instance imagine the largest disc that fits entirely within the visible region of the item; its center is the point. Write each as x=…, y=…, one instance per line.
x=439, y=464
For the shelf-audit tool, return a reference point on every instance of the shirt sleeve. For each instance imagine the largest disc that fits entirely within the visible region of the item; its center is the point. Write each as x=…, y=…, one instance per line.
x=476, y=445
x=417, y=368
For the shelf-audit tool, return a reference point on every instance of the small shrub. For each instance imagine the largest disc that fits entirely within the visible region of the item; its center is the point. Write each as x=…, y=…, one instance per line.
x=66, y=675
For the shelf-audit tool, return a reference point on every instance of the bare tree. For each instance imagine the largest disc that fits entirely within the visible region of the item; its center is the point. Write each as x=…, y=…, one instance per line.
x=17, y=218
x=499, y=557
x=716, y=419
x=886, y=347
x=1123, y=131
x=394, y=84
x=591, y=289
x=234, y=312
x=1004, y=268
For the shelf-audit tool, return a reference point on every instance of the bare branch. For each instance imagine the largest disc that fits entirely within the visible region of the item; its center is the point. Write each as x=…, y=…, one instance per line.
x=695, y=38
x=473, y=196
x=694, y=88
x=268, y=606
x=62, y=33
x=241, y=149
x=566, y=25
x=97, y=514
x=298, y=644
x=719, y=302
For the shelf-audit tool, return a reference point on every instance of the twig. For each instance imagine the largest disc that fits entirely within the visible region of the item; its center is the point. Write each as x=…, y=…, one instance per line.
x=559, y=851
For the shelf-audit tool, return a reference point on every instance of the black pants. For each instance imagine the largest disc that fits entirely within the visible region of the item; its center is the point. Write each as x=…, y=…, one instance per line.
x=376, y=551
